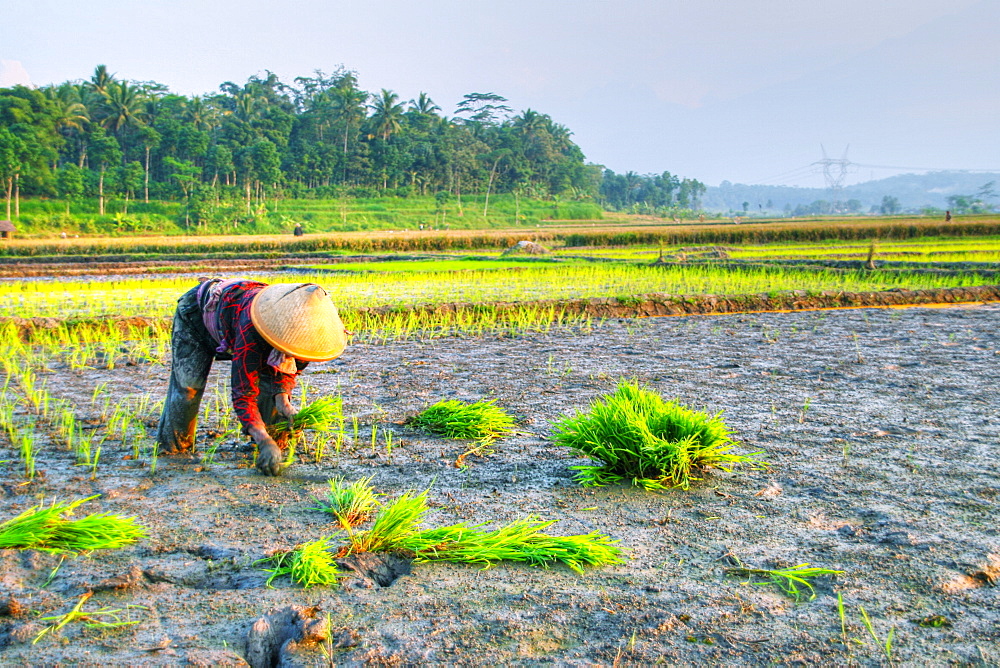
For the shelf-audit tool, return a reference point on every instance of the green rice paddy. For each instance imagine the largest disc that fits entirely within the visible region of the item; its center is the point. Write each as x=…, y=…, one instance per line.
x=421, y=266
x=156, y=297
x=926, y=250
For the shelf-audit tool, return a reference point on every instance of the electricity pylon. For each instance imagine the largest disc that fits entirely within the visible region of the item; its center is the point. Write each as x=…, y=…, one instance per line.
x=835, y=171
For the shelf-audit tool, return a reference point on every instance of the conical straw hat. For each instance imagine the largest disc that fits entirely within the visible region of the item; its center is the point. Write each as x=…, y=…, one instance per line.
x=299, y=320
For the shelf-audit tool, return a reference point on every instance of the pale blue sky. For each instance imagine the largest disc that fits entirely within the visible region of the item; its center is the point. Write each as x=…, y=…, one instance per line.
x=744, y=90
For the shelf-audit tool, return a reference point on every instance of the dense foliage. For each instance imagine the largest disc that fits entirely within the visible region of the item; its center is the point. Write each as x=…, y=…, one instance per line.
x=223, y=155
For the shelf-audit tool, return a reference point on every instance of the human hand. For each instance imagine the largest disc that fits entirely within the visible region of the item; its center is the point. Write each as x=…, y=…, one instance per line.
x=269, y=457
x=284, y=406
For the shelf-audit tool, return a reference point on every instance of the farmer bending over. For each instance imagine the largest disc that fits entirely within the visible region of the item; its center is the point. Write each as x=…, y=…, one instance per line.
x=270, y=332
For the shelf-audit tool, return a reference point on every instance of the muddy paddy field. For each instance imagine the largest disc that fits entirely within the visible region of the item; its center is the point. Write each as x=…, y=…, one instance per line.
x=880, y=427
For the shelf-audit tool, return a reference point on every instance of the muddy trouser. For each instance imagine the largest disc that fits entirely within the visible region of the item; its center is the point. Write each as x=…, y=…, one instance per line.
x=193, y=351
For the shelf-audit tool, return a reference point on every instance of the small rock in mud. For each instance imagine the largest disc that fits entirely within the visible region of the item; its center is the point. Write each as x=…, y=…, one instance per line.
x=12, y=608
x=215, y=552
x=24, y=633
x=130, y=580
x=989, y=575
x=847, y=531
x=897, y=538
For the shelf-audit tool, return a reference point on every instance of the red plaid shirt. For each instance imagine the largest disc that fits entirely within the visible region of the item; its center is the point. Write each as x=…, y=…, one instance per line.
x=250, y=352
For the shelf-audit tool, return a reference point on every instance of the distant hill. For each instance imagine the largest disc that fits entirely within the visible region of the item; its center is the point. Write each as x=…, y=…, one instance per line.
x=915, y=192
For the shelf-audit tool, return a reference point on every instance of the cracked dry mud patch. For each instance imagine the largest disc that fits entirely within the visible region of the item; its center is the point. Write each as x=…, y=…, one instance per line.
x=881, y=428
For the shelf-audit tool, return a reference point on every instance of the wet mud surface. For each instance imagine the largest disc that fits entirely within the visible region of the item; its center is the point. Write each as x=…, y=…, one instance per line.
x=881, y=429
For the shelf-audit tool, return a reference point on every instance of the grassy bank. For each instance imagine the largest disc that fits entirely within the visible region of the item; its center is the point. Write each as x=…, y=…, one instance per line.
x=48, y=218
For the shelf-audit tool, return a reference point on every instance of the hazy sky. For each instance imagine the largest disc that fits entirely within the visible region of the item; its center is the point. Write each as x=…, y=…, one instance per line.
x=744, y=90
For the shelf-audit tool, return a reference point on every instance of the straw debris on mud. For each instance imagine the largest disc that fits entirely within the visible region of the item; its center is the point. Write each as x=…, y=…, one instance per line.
x=880, y=429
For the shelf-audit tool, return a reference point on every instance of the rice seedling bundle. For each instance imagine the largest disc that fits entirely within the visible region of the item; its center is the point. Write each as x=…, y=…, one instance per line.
x=393, y=525
x=482, y=420
x=396, y=530
x=642, y=439
x=52, y=530
x=350, y=504
x=520, y=541
x=320, y=415
x=308, y=564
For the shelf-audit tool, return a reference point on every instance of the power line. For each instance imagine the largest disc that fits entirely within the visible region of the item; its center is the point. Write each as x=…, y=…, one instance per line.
x=835, y=171
x=798, y=171
x=928, y=169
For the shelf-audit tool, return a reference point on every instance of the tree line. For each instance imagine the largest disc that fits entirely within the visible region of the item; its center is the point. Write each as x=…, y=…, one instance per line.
x=320, y=136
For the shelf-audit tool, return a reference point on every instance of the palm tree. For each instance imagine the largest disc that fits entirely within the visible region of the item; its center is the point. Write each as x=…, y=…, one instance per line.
x=320, y=107
x=68, y=111
x=560, y=135
x=424, y=105
x=122, y=106
x=349, y=108
x=388, y=113
x=152, y=107
x=247, y=106
x=633, y=182
x=529, y=122
x=201, y=114
x=69, y=114
x=101, y=79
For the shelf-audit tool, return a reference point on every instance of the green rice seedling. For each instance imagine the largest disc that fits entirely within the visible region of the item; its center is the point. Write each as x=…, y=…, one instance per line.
x=845, y=639
x=393, y=525
x=318, y=445
x=789, y=580
x=67, y=426
x=36, y=396
x=52, y=530
x=26, y=444
x=93, y=465
x=326, y=646
x=154, y=456
x=92, y=619
x=642, y=439
x=885, y=647
x=519, y=541
x=83, y=446
x=208, y=456
x=137, y=440
x=351, y=504
x=105, y=409
x=99, y=390
x=289, y=454
x=53, y=572
x=483, y=420
x=308, y=564
x=388, y=444
x=320, y=415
